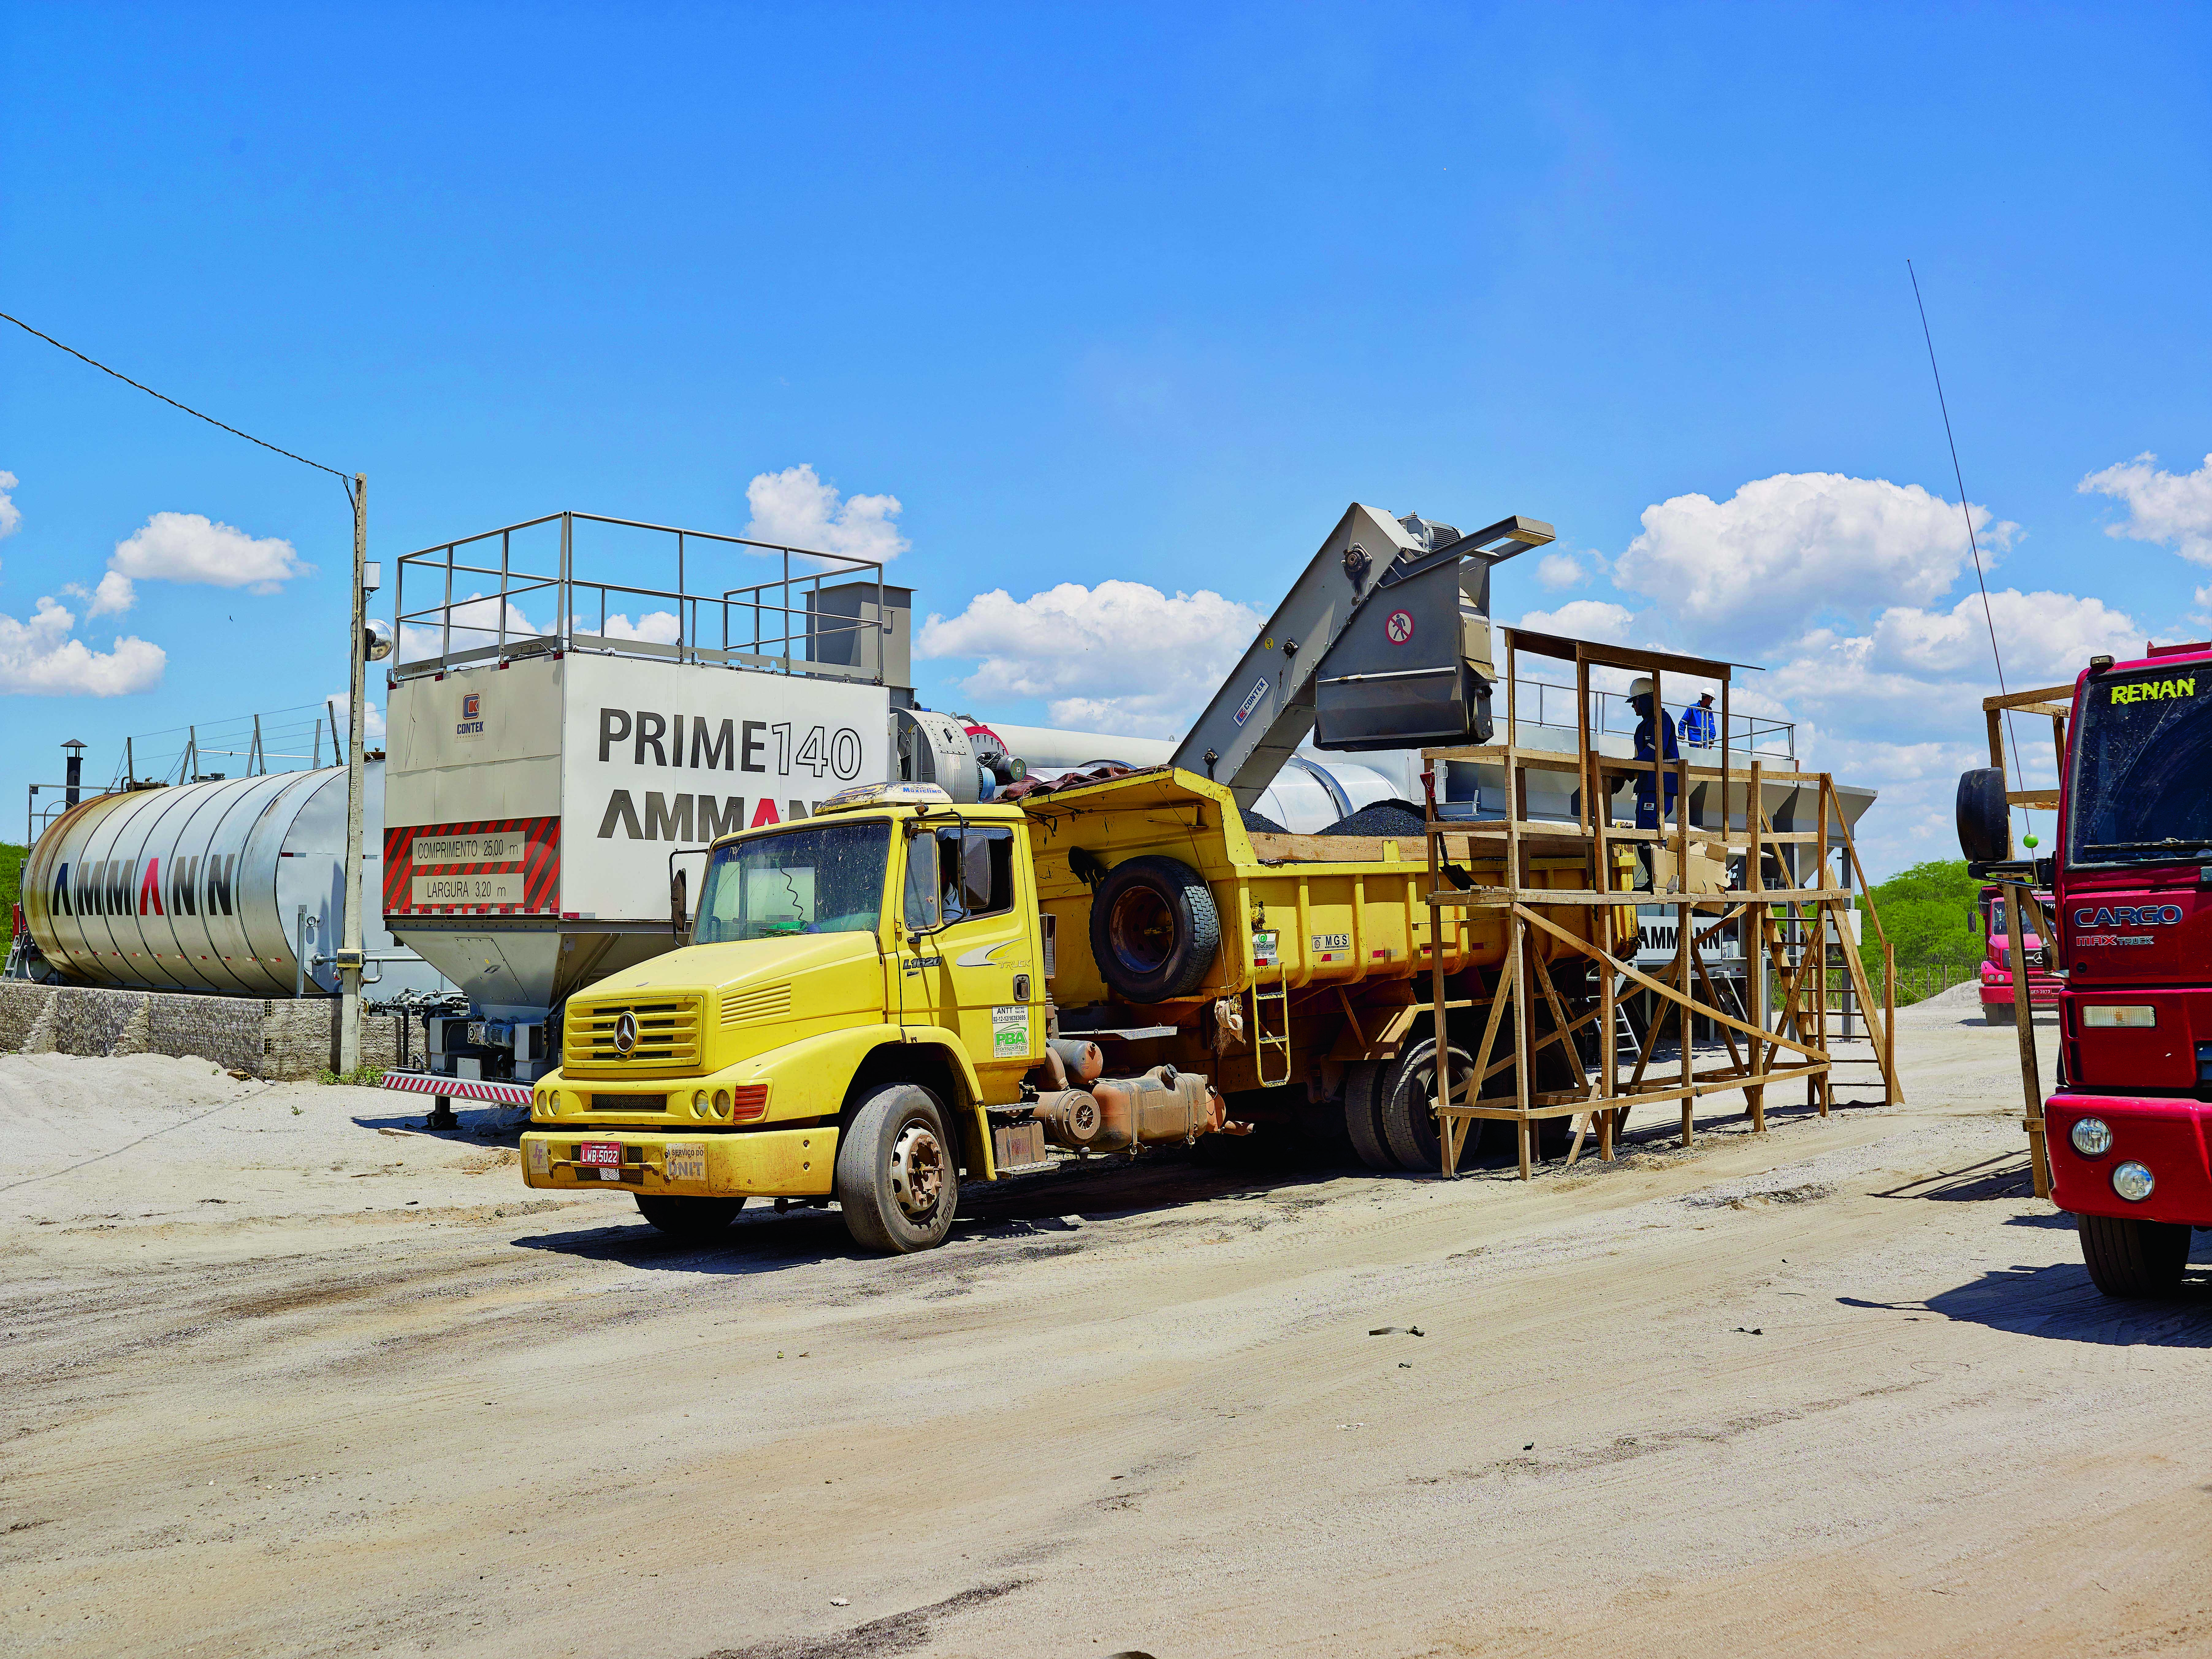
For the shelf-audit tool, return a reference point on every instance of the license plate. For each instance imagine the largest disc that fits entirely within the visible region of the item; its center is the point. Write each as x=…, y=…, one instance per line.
x=600, y=1153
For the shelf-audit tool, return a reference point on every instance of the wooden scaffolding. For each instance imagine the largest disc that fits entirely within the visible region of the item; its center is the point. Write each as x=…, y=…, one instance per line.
x=2025, y=913
x=1796, y=931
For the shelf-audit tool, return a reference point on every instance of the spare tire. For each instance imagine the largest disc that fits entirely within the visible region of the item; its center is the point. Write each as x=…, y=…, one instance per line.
x=1154, y=932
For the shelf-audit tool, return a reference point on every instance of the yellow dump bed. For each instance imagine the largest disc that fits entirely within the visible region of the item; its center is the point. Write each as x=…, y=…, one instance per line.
x=1295, y=910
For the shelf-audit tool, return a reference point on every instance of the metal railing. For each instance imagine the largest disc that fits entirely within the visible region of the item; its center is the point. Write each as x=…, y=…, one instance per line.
x=1554, y=705
x=750, y=625
x=305, y=737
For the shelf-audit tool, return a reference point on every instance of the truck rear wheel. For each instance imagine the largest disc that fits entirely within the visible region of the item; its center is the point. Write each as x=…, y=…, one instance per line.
x=1154, y=930
x=898, y=1171
x=2130, y=1258
x=1363, y=1114
x=696, y=1219
x=1409, y=1091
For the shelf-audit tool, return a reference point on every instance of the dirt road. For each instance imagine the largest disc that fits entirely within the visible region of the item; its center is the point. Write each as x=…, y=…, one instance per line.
x=278, y=1376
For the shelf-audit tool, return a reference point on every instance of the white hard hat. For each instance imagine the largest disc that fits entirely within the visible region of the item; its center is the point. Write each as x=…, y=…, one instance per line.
x=1640, y=686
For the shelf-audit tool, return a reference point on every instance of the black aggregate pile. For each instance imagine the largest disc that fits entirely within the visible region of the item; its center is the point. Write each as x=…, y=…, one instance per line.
x=1259, y=824
x=1381, y=818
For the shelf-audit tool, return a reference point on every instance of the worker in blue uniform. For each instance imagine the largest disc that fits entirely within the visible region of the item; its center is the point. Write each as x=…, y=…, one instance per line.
x=1700, y=725
x=1654, y=736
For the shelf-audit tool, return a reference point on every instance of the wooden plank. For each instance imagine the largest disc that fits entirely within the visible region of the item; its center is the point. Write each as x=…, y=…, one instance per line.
x=2060, y=695
x=2045, y=799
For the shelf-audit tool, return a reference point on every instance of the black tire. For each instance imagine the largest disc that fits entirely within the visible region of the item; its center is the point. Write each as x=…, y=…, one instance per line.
x=2001, y=1014
x=1363, y=1115
x=696, y=1220
x=2130, y=1258
x=1154, y=930
x=898, y=1171
x=1407, y=1092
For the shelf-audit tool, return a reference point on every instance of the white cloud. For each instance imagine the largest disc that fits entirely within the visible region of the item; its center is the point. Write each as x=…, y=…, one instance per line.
x=2173, y=509
x=1797, y=544
x=795, y=508
x=186, y=547
x=1120, y=657
x=40, y=658
x=113, y=596
x=1583, y=619
x=372, y=729
x=656, y=627
x=11, y=516
x=1557, y=570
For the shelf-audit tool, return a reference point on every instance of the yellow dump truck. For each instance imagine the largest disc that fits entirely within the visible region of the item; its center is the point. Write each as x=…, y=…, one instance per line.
x=899, y=992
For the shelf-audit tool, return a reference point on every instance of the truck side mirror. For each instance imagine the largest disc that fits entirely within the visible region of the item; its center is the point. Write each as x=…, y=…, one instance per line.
x=922, y=913
x=1984, y=836
x=679, y=903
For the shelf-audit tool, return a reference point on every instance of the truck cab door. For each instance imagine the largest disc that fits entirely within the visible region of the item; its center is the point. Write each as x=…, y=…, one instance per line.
x=977, y=972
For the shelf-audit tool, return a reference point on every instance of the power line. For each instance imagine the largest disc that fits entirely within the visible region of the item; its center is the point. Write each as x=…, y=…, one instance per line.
x=1967, y=513
x=342, y=479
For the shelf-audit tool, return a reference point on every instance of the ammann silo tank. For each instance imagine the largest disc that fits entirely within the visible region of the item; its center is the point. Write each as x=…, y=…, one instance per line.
x=201, y=887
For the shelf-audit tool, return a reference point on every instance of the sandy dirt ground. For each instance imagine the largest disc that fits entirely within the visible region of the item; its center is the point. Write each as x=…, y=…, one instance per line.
x=279, y=1375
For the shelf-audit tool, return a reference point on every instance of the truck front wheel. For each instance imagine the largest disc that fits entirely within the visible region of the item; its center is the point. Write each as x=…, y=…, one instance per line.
x=898, y=1171
x=2130, y=1258
x=2000, y=1013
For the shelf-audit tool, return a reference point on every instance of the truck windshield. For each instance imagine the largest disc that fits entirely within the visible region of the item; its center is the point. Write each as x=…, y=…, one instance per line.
x=826, y=880
x=2141, y=755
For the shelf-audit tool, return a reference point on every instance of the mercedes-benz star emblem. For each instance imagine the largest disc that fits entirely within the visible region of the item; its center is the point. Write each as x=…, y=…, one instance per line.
x=625, y=1032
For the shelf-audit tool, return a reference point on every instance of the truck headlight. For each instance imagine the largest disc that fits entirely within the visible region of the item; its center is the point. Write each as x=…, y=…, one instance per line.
x=2132, y=1182
x=2092, y=1137
x=2133, y=1014
x=699, y=1103
x=721, y=1102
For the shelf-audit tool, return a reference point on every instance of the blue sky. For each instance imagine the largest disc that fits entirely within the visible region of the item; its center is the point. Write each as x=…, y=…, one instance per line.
x=1117, y=296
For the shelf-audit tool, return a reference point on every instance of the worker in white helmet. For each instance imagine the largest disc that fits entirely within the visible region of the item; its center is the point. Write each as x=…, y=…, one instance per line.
x=1655, y=736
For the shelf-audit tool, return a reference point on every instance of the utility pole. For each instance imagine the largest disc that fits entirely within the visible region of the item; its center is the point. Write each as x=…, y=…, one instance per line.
x=349, y=952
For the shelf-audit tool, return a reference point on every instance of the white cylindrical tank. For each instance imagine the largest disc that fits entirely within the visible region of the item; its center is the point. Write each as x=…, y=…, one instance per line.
x=203, y=886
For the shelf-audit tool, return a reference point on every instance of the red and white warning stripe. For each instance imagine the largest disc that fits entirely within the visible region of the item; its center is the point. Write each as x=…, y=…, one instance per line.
x=459, y=1088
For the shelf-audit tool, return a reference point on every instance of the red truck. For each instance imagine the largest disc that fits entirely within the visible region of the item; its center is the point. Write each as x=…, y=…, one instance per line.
x=2042, y=983
x=2127, y=1128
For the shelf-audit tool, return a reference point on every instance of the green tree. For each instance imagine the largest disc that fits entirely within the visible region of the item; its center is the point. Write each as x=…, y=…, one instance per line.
x=11, y=884
x=1928, y=912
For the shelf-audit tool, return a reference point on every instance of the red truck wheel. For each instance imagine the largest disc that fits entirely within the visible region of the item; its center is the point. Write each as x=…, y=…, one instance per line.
x=2130, y=1258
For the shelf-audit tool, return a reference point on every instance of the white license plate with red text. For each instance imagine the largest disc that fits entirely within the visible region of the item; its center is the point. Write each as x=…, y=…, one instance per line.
x=603, y=1156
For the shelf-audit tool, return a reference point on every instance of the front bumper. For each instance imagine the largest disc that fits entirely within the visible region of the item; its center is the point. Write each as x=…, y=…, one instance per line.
x=2170, y=1136
x=2042, y=989
x=766, y=1162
